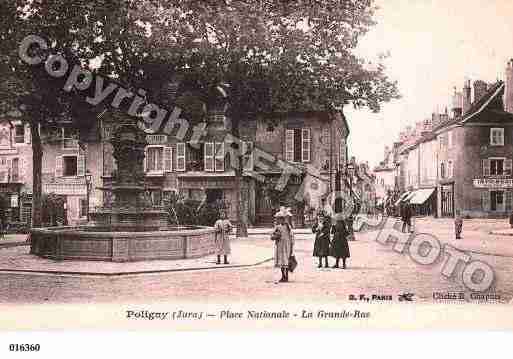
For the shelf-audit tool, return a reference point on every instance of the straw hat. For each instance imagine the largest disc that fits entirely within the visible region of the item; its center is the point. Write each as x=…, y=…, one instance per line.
x=283, y=212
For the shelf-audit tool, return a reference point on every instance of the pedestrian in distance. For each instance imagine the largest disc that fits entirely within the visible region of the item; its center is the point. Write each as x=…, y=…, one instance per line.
x=406, y=216
x=511, y=219
x=223, y=228
x=322, y=239
x=458, y=225
x=339, y=244
x=283, y=242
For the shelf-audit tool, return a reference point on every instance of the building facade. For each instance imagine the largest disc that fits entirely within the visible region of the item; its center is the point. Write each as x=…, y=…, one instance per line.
x=463, y=161
x=302, y=151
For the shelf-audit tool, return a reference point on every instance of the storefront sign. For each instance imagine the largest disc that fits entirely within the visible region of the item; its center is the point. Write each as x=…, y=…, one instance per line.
x=493, y=182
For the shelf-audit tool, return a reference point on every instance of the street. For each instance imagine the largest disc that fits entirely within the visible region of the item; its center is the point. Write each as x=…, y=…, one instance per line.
x=373, y=269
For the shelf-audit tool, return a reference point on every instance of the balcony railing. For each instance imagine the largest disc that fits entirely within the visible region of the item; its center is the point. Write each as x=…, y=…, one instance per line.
x=156, y=139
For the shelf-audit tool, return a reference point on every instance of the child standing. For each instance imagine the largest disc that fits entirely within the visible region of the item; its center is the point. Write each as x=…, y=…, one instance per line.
x=458, y=225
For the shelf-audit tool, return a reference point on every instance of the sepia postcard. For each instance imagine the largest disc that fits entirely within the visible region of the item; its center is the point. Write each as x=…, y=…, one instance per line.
x=248, y=165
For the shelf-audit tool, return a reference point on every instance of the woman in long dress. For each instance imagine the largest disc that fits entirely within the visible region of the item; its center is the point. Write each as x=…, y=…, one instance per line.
x=339, y=245
x=322, y=240
x=283, y=242
x=223, y=228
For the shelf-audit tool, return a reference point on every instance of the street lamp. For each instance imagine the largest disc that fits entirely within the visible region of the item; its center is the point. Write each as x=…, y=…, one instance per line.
x=88, y=178
x=350, y=172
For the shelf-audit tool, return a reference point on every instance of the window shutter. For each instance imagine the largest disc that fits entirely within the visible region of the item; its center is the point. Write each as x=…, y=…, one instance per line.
x=305, y=144
x=509, y=198
x=58, y=166
x=145, y=162
x=81, y=166
x=486, y=167
x=247, y=152
x=219, y=161
x=289, y=145
x=508, y=164
x=28, y=137
x=180, y=156
x=8, y=164
x=209, y=156
x=168, y=159
x=485, y=200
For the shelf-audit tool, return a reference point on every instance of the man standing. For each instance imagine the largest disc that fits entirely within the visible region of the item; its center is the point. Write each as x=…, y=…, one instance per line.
x=406, y=216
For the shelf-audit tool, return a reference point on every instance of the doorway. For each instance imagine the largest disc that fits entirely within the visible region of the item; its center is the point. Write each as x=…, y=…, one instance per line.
x=497, y=201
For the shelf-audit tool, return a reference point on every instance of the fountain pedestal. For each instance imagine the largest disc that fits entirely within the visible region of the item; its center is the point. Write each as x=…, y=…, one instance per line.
x=129, y=209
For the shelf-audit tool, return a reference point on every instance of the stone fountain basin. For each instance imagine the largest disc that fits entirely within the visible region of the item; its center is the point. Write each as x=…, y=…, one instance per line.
x=122, y=244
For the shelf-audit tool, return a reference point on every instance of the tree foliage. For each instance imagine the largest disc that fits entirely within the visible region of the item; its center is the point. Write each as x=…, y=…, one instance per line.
x=276, y=56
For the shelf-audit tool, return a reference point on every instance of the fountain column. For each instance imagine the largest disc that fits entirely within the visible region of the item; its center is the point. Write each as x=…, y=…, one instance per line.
x=129, y=209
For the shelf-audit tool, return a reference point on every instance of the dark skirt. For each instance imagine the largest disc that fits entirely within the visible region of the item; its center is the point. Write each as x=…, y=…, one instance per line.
x=339, y=246
x=322, y=245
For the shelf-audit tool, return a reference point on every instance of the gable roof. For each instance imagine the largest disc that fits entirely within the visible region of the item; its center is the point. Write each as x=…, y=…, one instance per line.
x=488, y=107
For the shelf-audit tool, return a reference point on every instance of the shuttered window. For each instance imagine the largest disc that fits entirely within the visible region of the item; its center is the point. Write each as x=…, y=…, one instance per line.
x=168, y=159
x=485, y=200
x=449, y=169
x=28, y=136
x=298, y=145
x=486, y=167
x=509, y=198
x=219, y=157
x=180, y=156
x=508, y=164
x=289, y=145
x=247, y=155
x=81, y=166
x=209, y=156
x=58, y=166
x=154, y=159
x=305, y=144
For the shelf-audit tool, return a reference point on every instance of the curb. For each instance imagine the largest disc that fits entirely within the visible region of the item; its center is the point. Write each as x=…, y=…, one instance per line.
x=501, y=234
x=14, y=244
x=118, y=274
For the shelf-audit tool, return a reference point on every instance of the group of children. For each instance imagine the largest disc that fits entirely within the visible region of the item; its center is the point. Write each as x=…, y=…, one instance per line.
x=324, y=246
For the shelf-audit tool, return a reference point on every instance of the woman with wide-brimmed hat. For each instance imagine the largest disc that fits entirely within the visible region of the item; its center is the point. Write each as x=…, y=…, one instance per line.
x=339, y=245
x=223, y=228
x=283, y=242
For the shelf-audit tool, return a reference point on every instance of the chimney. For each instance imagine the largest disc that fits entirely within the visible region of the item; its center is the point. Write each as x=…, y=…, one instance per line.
x=466, y=100
x=387, y=151
x=435, y=120
x=456, y=103
x=480, y=88
x=508, y=93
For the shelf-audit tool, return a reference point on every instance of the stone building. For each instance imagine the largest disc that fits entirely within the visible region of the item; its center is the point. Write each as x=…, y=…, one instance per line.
x=475, y=153
x=464, y=162
x=385, y=174
x=303, y=151
x=15, y=166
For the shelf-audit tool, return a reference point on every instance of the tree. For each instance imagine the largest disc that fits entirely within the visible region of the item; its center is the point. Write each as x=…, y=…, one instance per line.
x=276, y=56
x=70, y=28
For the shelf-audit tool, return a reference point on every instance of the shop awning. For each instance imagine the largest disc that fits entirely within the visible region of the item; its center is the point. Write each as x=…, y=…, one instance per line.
x=421, y=195
x=402, y=198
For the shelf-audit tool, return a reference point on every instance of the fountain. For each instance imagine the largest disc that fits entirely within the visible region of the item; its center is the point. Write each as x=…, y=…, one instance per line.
x=128, y=227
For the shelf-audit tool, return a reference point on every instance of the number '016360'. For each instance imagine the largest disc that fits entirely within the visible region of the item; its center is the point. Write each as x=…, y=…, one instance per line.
x=24, y=347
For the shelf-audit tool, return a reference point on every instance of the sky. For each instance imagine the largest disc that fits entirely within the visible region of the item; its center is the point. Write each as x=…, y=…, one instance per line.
x=434, y=45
